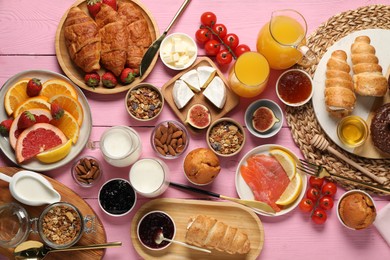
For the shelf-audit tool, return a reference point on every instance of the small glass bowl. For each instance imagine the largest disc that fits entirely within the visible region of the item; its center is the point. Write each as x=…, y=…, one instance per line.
x=172, y=144
x=15, y=224
x=87, y=171
x=352, y=131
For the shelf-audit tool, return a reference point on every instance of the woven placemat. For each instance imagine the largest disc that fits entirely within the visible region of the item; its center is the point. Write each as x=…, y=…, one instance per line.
x=302, y=120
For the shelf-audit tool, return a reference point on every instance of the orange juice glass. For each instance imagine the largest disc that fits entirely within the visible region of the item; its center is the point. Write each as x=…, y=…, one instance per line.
x=249, y=75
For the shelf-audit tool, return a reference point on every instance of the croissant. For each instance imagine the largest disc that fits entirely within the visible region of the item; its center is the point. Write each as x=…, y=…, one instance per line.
x=339, y=93
x=205, y=231
x=82, y=40
x=368, y=78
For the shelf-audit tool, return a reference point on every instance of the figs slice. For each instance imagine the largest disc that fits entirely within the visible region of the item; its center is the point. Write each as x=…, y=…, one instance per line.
x=264, y=119
x=198, y=116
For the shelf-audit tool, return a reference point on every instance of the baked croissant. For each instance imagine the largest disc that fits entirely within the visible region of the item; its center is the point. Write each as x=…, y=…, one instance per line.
x=82, y=40
x=368, y=78
x=205, y=231
x=339, y=93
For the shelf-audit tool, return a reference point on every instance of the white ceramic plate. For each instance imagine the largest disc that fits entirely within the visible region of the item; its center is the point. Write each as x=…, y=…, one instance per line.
x=243, y=190
x=379, y=39
x=85, y=129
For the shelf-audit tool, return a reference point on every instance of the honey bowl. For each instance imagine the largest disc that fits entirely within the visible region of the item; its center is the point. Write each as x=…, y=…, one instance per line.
x=352, y=131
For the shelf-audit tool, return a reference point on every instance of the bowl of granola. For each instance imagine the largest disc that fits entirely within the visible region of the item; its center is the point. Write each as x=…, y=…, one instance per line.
x=144, y=102
x=226, y=137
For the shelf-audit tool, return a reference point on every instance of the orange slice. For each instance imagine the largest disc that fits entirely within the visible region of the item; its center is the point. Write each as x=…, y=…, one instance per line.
x=30, y=103
x=15, y=96
x=68, y=125
x=54, y=87
x=69, y=104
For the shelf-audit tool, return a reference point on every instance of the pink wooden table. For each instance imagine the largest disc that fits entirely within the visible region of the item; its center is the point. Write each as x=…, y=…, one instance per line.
x=27, y=32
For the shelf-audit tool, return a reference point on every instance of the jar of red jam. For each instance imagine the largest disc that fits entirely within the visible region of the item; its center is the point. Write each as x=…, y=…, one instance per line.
x=294, y=87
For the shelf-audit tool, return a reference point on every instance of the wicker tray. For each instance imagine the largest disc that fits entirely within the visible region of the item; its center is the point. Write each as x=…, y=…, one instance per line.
x=302, y=120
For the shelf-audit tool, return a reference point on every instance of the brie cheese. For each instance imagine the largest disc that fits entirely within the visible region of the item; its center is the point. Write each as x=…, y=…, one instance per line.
x=216, y=92
x=192, y=79
x=181, y=93
x=205, y=74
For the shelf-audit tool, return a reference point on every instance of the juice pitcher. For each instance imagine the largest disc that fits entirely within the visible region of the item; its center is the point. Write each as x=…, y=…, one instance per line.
x=282, y=40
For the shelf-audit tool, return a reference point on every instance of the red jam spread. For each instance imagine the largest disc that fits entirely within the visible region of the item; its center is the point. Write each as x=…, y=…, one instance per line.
x=294, y=87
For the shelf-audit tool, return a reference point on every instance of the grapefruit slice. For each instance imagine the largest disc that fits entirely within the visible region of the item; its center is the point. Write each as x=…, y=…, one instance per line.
x=36, y=139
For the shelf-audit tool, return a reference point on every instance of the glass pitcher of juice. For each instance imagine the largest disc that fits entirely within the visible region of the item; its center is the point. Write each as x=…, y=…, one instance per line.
x=282, y=40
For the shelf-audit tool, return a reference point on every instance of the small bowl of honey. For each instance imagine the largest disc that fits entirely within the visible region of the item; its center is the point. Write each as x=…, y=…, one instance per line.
x=352, y=131
x=294, y=87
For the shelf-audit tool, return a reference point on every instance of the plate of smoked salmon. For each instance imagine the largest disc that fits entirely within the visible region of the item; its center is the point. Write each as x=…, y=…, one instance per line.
x=268, y=173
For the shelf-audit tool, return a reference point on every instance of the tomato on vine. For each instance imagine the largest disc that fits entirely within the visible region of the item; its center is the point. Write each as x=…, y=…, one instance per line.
x=329, y=189
x=306, y=205
x=212, y=47
x=203, y=35
x=313, y=193
x=316, y=182
x=319, y=216
x=208, y=19
x=224, y=57
x=326, y=202
x=231, y=40
x=240, y=49
x=220, y=29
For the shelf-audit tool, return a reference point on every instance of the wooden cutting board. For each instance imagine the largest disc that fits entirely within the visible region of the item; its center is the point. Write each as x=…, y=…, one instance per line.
x=67, y=195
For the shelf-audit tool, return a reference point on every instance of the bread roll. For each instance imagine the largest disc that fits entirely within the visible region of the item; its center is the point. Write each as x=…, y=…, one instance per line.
x=205, y=231
x=339, y=95
x=368, y=78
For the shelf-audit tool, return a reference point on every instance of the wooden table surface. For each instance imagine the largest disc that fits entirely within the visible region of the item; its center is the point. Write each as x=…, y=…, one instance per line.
x=27, y=33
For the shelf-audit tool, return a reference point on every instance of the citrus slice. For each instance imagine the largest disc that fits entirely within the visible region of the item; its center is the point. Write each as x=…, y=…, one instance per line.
x=69, y=104
x=34, y=102
x=36, y=139
x=286, y=160
x=68, y=125
x=292, y=191
x=15, y=96
x=54, y=87
x=55, y=154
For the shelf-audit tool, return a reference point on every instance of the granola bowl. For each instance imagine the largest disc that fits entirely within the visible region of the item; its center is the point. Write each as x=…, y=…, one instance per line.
x=144, y=102
x=226, y=137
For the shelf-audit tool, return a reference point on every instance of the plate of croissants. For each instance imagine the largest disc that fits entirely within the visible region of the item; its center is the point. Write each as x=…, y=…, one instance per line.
x=111, y=41
x=352, y=79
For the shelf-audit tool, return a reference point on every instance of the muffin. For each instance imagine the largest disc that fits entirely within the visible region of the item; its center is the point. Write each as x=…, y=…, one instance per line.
x=201, y=166
x=357, y=210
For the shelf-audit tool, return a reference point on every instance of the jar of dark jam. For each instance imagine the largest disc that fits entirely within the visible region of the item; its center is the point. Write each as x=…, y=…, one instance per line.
x=294, y=87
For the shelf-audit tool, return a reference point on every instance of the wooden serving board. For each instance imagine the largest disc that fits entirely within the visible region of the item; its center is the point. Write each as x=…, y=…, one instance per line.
x=67, y=195
x=232, y=99
x=77, y=75
x=181, y=210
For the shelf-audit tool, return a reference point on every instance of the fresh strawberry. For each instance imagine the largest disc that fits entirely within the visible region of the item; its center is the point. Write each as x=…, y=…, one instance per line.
x=127, y=76
x=111, y=3
x=26, y=120
x=109, y=80
x=56, y=111
x=34, y=86
x=5, y=125
x=94, y=7
x=92, y=79
x=42, y=119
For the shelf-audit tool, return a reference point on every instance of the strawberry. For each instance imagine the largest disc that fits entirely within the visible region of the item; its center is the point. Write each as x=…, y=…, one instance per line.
x=34, y=86
x=56, y=111
x=109, y=80
x=26, y=120
x=5, y=126
x=127, y=76
x=92, y=79
x=93, y=7
x=111, y=3
x=42, y=119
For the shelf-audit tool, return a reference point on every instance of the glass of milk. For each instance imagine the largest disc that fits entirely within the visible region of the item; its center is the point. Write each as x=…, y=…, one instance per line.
x=149, y=177
x=120, y=146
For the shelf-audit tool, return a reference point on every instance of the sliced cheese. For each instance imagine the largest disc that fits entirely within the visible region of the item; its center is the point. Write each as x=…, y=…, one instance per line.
x=205, y=74
x=192, y=79
x=181, y=93
x=216, y=92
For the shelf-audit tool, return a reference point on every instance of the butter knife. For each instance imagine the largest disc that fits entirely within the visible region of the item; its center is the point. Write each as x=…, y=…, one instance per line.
x=153, y=49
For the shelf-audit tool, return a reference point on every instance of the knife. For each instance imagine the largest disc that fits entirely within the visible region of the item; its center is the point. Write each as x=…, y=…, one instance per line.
x=153, y=49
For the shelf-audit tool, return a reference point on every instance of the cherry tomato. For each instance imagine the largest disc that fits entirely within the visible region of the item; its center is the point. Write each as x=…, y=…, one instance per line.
x=203, y=35
x=212, y=47
x=208, y=19
x=319, y=216
x=316, y=182
x=224, y=57
x=231, y=40
x=313, y=193
x=329, y=189
x=220, y=29
x=306, y=205
x=240, y=49
x=326, y=202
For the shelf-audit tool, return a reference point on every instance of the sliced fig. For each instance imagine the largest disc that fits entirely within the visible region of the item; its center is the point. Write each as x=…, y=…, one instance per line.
x=198, y=116
x=264, y=119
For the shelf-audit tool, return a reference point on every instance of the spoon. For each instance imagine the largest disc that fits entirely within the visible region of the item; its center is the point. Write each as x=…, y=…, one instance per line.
x=36, y=250
x=159, y=238
x=31, y=188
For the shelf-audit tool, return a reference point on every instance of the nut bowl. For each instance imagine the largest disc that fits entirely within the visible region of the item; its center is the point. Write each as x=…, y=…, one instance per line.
x=87, y=171
x=144, y=102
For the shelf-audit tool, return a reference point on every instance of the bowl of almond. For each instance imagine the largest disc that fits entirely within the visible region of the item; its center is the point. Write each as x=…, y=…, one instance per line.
x=86, y=171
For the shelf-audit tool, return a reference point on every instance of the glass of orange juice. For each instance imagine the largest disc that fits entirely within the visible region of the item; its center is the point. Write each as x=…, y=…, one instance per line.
x=282, y=40
x=249, y=75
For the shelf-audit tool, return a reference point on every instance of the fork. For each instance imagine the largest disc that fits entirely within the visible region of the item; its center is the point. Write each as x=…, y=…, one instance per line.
x=320, y=172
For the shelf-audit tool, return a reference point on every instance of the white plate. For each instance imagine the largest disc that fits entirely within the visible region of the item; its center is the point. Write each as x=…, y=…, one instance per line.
x=85, y=129
x=243, y=190
x=379, y=39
